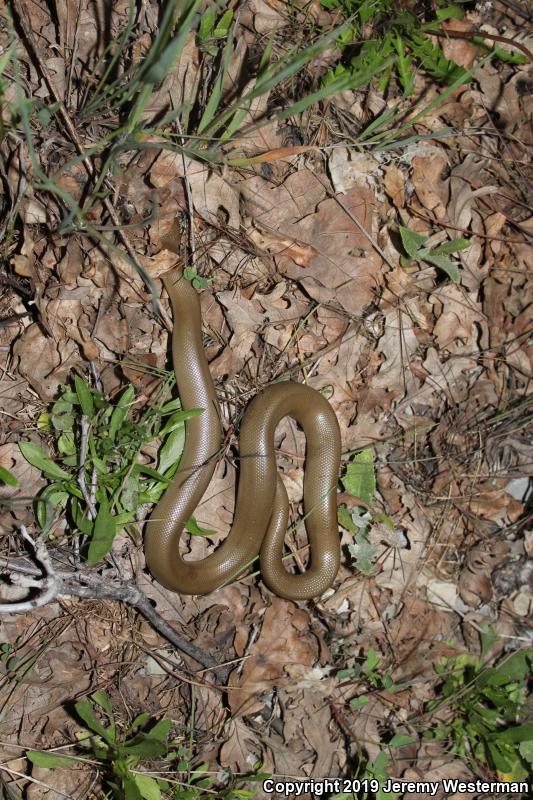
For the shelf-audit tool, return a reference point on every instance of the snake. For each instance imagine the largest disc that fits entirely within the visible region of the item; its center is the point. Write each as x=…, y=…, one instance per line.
x=261, y=513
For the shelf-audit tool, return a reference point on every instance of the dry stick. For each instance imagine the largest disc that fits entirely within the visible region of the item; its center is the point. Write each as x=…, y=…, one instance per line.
x=78, y=584
x=84, y=439
x=455, y=34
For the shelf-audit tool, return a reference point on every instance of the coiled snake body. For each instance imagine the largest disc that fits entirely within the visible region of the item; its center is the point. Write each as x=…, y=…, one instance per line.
x=261, y=511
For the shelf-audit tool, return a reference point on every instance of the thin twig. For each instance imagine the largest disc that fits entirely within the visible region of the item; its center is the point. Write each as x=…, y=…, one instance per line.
x=80, y=584
x=47, y=583
x=190, y=204
x=455, y=34
x=84, y=441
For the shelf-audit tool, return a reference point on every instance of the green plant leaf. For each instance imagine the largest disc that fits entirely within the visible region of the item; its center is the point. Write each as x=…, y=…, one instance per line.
x=412, y=241
x=85, y=711
x=360, y=480
x=526, y=750
x=84, y=396
x=62, y=415
x=401, y=739
x=223, y=25
x=499, y=759
x=104, y=532
x=145, y=747
x=455, y=246
x=52, y=499
x=7, y=477
x=207, y=24
x=130, y=788
x=36, y=456
x=171, y=451
x=148, y=787
x=372, y=660
x=345, y=519
x=488, y=637
x=177, y=419
x=192, y=527
x=140, y=719
x=120, y=412
x=520, y=733
x=449, y=267
x=48, y=760
x=358, y=702
x=101, y=699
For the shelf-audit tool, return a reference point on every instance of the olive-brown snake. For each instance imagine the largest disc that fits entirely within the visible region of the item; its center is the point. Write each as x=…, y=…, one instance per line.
x=261, y=511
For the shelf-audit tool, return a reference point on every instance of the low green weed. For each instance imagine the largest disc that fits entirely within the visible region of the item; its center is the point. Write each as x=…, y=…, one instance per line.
x=360, y=482
x=99, y=478
x=370, y=679
x=415, y=245
x=387, y=32
x=485, y=706
x=120, y=753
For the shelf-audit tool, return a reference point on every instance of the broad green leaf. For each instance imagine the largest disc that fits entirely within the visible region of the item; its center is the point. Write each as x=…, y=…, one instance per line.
x=66, y=444
x=85, y=711
x=172, y=405
x=449, y=12
x=345, y=519
x=372, y=660
x=145, y=747
x=62, y=415
x=171, y=451
x=7, y=477
x=455, y=246
x=84, y=396
x=223, y=25
x=130, y=789
x=120, y=412
x=401, y=739
x=360, y=480
x=160, y=730
x=412, y=241
x=104, y=532
x=207, y=23
x=148, y=787
x=499, y=759
x=526, y=750
x=36, y=456
x=142, y=469
x=358, y=702
x=80, y=517
x=520, y=733
x=140, y=719
x=488, y=637
x=177, y=419
x=52, y=499
x=101, y=699
x=48, y=760
x=449, y=267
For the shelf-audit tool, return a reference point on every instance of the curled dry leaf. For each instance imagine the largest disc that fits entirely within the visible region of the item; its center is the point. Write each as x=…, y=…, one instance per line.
x=242, y=749
x=314, y=239
x=474, y=582
x=431, y=189
x=39, y=362
x=284, y=639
